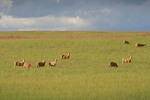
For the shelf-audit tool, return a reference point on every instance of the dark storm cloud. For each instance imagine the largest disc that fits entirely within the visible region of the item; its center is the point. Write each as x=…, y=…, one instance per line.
x=100, y=14
x=33, y=8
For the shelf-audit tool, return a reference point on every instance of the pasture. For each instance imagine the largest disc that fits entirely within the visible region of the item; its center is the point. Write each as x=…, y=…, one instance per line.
x=85, y=76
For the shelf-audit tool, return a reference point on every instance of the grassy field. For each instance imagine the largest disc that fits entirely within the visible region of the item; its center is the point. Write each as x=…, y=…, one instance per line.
x=85, y=76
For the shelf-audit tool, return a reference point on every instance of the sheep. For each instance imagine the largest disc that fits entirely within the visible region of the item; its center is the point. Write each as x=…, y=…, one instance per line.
x=19, y=63
x=40, y=64
x=126, y=60
x=140, y=45
x=112, y=64
x=53, y=63
x=125, y=42
x=65, y=56
x=27, y=65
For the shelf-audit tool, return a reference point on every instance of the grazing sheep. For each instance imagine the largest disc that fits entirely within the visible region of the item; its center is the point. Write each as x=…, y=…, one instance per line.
x=112, y=64
x=40, y=64
x=125, y=42
x=140, y=45
x=27, y=65
x=53, y=63
x=19, y=63
x=65, y=56
x=126, y=60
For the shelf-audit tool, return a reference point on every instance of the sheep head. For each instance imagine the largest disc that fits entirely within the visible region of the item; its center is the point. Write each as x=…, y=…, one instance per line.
x=130, y=57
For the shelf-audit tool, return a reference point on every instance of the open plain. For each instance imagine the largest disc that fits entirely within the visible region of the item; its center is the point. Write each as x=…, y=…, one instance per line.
x=85, y=75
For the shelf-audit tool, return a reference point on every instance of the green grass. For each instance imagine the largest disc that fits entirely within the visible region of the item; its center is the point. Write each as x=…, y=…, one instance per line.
x=85, y=76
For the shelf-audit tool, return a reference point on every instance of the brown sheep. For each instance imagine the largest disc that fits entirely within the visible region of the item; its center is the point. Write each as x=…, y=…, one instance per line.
x=125, y=42
x=53, y=63
x=40, y=64
x=140, y=45
x=112, y=64
x=126, y=60
x=27, y=65
x=65, y=56
x=19, y=63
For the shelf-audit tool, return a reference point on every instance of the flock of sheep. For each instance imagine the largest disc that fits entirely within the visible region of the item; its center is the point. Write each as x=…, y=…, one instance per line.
x=126, y=60
x=53, y=63
x=40, y=64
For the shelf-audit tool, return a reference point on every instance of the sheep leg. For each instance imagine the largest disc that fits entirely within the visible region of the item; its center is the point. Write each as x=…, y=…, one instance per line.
x=37, y=66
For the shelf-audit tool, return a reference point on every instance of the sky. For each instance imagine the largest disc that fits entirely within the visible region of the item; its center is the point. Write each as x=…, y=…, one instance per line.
x=74, y=15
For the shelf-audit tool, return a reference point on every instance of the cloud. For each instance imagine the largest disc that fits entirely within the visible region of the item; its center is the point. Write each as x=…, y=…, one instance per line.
x=57, y=1
x=43, y=23
x=106, y=10
x=5, y=5
x=74, y=15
